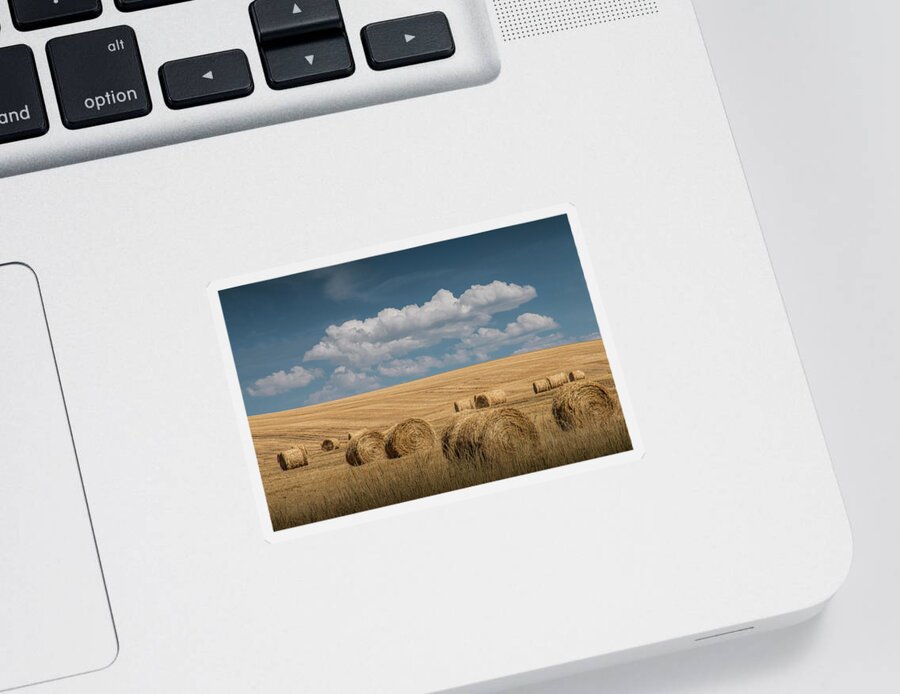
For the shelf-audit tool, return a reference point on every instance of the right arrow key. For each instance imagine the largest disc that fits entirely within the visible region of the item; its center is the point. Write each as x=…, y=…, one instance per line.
x=408, y=40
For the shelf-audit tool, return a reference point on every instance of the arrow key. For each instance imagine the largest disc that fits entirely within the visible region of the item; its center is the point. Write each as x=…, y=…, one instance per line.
x=296, y=64
x=408, y=40
x=206, y=79
x=274, y=20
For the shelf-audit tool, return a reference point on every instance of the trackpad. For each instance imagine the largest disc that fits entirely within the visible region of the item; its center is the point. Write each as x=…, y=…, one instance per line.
x=55, y=619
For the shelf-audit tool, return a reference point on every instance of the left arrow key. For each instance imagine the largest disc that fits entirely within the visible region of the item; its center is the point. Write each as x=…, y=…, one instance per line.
x=206, y=79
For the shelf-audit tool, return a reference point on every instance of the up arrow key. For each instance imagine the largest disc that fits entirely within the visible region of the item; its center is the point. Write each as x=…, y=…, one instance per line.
x=296, y=9
x=408, y=37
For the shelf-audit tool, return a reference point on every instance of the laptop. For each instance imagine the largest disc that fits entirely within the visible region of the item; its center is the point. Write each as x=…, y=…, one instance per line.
x=386, y=347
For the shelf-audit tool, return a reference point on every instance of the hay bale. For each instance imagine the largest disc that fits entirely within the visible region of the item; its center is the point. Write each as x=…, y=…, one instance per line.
x=293, y=458
x=583, y=404
x=541, y=386
x=366, y=447
x=576, y=375
x=412, y=435
x=449, y=437
x=351, y=434
x=463, y=405
x=330, y=445
x=490, y=398
x=489, y=436
x=557, y=380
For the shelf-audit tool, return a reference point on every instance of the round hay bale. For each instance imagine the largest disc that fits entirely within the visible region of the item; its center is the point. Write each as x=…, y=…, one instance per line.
x=583, y=404
x=541, y=386
x=412, y=435
x=490, y=436
x=351, y=434
x=293, y=458
x=330, y=445
x=557, y=380
x=490, y=398
x=463, y=405
x=366, y=447
x=448, y=438
x=576, y=375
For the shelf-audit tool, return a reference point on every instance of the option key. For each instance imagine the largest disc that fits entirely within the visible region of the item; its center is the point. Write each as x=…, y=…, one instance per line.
x=99, y=77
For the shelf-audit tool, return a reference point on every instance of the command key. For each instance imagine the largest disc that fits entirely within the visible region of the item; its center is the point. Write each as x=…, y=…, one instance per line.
x=22, y=111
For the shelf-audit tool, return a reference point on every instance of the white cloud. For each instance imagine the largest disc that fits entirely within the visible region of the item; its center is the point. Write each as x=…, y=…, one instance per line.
x=395, y=332
x=534, y=342
x=478, y=345
x=283, y=381
x=344, y=382
x=497, y=296
x=409, y=367
x=527, y=324
x=339, y=286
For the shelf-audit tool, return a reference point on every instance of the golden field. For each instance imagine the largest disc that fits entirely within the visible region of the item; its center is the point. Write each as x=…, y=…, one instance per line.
x=328, y=487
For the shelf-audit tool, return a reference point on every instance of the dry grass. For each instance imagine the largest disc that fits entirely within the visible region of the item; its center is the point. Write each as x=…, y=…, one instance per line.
x=328, y=487
x=422, y=475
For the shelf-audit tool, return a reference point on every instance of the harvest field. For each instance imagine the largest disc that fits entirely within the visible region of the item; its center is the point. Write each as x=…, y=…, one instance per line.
x=328, y=486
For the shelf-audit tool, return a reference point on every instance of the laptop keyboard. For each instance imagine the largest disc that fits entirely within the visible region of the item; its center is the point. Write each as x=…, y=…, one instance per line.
x=102, y=76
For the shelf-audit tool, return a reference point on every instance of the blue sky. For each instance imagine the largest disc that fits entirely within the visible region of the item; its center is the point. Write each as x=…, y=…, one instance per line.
x=327, y=334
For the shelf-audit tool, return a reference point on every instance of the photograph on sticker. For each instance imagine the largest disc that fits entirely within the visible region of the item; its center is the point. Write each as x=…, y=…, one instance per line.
x=422, y=371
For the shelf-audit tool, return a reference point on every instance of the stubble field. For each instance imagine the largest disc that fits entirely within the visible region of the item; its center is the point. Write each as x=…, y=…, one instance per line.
x=328, y=487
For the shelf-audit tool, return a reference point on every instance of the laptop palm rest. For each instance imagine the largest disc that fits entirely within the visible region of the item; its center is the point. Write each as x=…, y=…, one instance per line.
x=55, y=618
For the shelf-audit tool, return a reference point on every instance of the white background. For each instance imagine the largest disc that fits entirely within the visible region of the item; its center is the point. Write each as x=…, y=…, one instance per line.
x=812, y=90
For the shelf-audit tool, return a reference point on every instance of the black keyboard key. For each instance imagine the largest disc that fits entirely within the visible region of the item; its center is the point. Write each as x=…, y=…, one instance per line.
x=131, y=5
x=37, y=14
x=408, y=40
x=22, y=111
x=99, y=77
x=297, y=64
x=206, y=79
x=285, y=19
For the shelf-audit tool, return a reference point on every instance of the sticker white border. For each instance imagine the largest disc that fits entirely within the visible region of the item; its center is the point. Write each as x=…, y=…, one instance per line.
x=453, y=496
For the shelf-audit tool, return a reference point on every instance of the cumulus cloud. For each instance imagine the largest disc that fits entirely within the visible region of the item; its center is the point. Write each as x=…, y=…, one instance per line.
x=409, y=367
x=283, y=381
x=533, y=342
x=344, y=382
x=488, y=339
x=478, y=345
x=497, y=296
x=394, y=333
